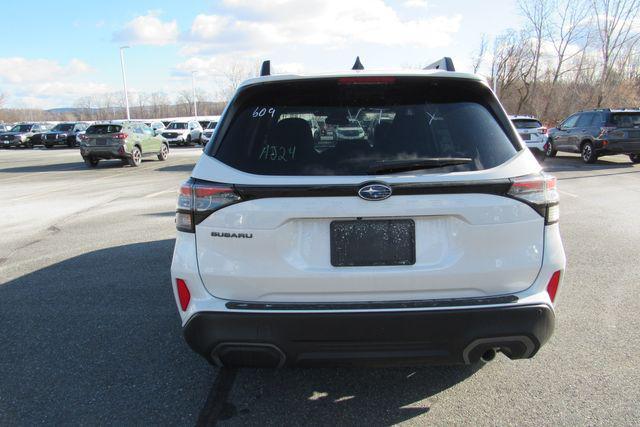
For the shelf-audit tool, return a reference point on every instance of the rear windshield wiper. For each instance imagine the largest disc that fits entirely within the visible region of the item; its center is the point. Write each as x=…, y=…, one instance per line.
x=390, y=166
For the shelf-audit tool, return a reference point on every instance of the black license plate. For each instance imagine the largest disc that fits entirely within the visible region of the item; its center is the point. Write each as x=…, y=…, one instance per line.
x=525, y=136
x=373, y=243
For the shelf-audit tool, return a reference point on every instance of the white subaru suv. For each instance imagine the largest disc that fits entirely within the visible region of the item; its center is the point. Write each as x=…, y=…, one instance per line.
x=533, y=133
x=435, y=242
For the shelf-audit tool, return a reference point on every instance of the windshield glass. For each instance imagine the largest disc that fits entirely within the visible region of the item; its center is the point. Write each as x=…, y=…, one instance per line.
x=177, y=125
x=21, y=128
x=624, y=120
x=526, y=124
x=103, y=129
x=64, y=127
x=311, y=127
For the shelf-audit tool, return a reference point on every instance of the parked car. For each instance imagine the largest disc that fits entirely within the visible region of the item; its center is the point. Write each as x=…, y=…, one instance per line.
x=157, y=126
x=20, y=135
x=533, y=133
x=5, y=127
x=127, y=141
x=351, y=130
x=63, y=134
x=595, y=133
x=438, y=244
x=208, y=131
x=182, y=132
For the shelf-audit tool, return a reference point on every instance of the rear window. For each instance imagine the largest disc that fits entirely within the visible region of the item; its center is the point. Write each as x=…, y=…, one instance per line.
x=176, y=125
x=344, y=126
x=526, y=124
x=625, y=120
x=103, y=129
x=65, y=127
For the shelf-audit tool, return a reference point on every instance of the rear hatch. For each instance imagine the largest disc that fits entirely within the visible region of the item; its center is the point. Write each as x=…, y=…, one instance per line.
x=301, y=224
x=101, y=135
x=624, y=131
x=530, y=130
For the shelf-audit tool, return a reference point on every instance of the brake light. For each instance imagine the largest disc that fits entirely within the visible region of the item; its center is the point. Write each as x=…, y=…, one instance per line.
x=83, y=137
x=539, y=192
x=543, y=130
x=120, y=135
x=368, y=80
x=184, y=296
x=197, y=200
x=552, y=286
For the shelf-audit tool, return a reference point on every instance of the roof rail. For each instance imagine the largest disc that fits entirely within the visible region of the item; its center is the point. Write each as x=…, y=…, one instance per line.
x=357, y=65
x=445, y=64
x=265, y=70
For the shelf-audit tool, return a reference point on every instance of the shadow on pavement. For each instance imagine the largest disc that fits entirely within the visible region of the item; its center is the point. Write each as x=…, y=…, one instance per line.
x=566, y=163
x=96, y=339
x=338, y=396
x=55, y=167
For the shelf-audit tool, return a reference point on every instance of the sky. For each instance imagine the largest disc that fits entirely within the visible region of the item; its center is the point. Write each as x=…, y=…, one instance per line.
x=52, y=53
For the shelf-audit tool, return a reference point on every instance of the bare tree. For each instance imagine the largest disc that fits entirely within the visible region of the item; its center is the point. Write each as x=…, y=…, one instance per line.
x=479, y=55
x=616, y=31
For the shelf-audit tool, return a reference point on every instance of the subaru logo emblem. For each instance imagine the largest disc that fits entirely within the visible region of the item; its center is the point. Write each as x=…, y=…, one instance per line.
x=375, y=192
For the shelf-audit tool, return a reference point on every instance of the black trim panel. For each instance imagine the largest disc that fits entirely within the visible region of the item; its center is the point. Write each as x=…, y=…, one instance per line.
x=372, y=305
x=498, y=187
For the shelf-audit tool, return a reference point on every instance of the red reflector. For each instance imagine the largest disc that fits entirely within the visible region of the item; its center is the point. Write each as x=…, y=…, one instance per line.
x=370, y=80
x=543, y=130
x=552, y=287
x=183, y=294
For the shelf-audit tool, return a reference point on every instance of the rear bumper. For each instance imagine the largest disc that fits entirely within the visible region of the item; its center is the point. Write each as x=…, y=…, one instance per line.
x=617, y=147
x=455, y=336
x=104, y=152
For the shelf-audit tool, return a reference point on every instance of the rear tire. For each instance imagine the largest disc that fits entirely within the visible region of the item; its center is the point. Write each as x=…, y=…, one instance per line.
x=164, y=153
x=551, y=152
x=136, y=157
x=188, y=142
x=635, y=158
x=91, y=162
x=588, y=153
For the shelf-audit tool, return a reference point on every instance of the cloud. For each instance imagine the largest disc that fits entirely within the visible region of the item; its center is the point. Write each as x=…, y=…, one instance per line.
x=260, y=25
x=422, y=4
x=44, y=83
x=148, y=29
x=16, y=70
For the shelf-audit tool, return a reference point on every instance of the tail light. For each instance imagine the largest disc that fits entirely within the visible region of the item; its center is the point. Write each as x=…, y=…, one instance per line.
x=197, y=200
x=605, y=130
x=183, y=294
x=543, y=130
x=539, y=192
x=83, y=137
x=120, y=135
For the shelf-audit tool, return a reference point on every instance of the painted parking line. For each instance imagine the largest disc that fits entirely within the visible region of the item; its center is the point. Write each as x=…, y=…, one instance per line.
x=171, y=190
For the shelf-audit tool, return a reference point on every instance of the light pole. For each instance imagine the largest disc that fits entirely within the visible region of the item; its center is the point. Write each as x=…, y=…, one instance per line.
x=193, y=91
x=124, y=80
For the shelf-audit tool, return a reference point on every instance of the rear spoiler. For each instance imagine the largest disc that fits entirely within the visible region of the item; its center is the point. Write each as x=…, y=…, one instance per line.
x=445, y=64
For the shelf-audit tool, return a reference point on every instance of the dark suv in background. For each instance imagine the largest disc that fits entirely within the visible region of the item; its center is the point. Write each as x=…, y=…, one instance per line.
x=63, y=134
x=596, y=133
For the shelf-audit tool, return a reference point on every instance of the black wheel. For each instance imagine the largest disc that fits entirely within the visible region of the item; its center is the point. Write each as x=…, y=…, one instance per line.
x=91, y=162
x=588, y=153
x=71, y=142
x=551, y=151
x=188, y=142
x=164, y=152
x=635, y=158
x=136, y=157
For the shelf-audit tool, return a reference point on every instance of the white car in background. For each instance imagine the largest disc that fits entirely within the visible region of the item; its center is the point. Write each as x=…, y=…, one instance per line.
x=182, y=132
x=533, y=133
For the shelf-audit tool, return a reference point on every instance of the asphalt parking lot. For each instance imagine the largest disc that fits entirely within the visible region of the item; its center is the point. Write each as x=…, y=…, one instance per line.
x=89, y=332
